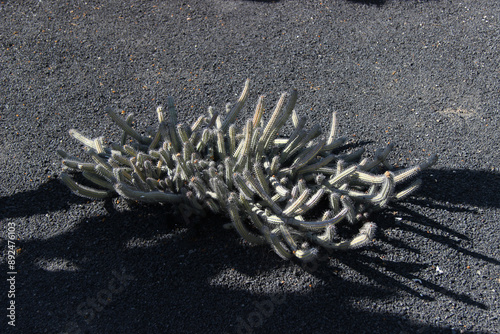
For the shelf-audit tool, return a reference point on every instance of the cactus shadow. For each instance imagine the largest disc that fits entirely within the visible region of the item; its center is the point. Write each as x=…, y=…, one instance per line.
x=48, y=197
x=190, y=279
x=456, y=190
x=460, y=189
x=134, y=261
x=110, y=270
x=443, y=189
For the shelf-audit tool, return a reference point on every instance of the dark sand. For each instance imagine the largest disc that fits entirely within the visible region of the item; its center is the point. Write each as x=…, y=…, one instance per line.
x=422, y=74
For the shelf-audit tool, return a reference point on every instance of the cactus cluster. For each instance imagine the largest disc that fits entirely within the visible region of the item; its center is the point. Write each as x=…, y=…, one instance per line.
x=290, y=193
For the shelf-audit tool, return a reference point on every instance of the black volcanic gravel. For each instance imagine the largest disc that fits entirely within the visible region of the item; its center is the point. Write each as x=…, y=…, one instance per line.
x=422, y=74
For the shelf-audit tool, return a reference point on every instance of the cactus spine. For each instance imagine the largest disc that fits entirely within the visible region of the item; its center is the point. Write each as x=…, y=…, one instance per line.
x=269, y=186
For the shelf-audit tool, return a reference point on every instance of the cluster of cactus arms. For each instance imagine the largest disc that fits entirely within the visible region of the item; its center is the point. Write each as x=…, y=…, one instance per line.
x=290, y=193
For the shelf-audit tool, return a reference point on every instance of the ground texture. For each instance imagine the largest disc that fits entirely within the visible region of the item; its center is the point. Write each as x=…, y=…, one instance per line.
x=422, y=74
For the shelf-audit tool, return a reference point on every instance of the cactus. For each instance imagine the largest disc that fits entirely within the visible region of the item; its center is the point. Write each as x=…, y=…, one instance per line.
x=270, y=187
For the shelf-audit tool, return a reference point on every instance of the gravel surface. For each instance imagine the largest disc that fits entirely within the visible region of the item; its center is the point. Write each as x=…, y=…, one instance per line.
x=422, y=74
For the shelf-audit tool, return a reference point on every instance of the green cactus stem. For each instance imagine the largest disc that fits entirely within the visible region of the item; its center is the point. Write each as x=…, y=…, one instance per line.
x=273, y=189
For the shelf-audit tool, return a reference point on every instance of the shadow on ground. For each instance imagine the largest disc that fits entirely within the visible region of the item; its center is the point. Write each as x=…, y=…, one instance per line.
x=142, y=271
